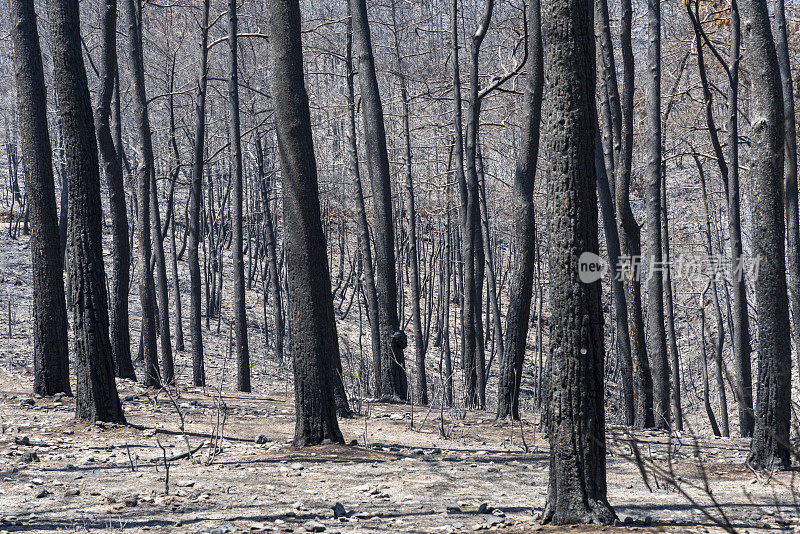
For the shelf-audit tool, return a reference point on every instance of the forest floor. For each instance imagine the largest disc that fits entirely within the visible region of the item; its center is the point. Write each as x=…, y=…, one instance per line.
x=406, y=469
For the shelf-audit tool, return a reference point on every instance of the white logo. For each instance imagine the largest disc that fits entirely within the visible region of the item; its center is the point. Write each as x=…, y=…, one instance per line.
x=591, y=268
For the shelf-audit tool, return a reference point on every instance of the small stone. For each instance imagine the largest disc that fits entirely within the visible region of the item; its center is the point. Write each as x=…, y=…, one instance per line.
x=339, y=510
x=628, y=520
x=28, y=402
x=42, y=493
x=131, y=501
x=185, y=483
x=297, y=466
x=72, y=492
x=37, y=481
x=314, y=526
x=261, y=439
x=419, y=452
x=453, y=509
x=30, y=457
x=68, y=431
x=485, y=509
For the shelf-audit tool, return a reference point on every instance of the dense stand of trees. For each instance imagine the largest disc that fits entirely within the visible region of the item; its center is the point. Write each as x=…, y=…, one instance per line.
x=678, y=129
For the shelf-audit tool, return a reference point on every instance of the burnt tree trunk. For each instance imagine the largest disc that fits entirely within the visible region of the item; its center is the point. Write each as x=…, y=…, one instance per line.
x=119, y=330
x=239, y=307
x=769, y=448
x=314, y=344
x=630, y=237
x=393, y=380
x=50, y=343
x=97, y=398
x=195, y=200
x=656, y=336
x=143, y=190
x=519, y=300
x=364, y=240
x=577, y=480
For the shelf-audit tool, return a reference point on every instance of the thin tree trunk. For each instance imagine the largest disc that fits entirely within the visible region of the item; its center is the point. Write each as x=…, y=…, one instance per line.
x=519, y=300
x=144, y=194
x=239, y=306
x=361, y=217
x=741, y=326
x=393, y=340
x=196, y=199
x=421, y=384
x=629, y=235
x=656, y=336
x=119, y=328
x=790, y=181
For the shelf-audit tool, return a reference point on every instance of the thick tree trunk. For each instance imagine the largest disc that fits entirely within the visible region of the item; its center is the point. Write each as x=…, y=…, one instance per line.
x=50, y=343
x=769, y=448
x=577, y=481
x=97, y=398
x=393, y=340
x=239, y=307
x=314, y=344
x=519, y=300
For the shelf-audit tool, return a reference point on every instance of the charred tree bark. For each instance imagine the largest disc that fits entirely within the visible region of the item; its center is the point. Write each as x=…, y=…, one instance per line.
x=314, y=344
x=143, y=189
x=519, y=301
x=195, y=200
x=112, y=167
x=769, y=448
x=239, y=307
x=656, y=337
x=630, y=237
x=741, y=324
x=421, y=381
x=577, y=480
x=364, y=241
x=272, y=255
x=50, y=343
x=606, y=172
x=393, y=340
x=97, y=398
x=790, y=180
x=467, y=213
